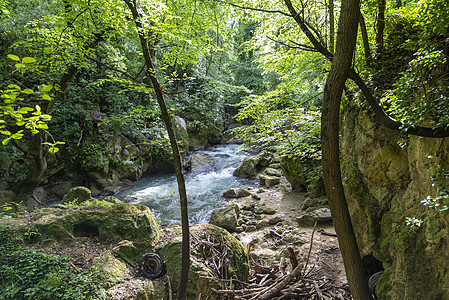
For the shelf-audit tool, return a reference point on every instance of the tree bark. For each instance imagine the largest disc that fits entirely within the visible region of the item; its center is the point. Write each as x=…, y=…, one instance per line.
x=151, y=75
x=341, y=64
x=380, y=26
x=365, y=40
x=331, y=26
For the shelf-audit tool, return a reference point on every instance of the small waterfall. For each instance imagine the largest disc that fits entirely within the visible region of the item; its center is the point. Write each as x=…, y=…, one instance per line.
x=204, y=190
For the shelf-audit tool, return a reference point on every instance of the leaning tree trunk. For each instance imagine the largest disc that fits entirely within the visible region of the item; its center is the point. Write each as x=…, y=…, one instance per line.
x=345, y=45
x=151, y=75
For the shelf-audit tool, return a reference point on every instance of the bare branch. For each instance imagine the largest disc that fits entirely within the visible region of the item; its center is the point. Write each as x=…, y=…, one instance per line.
x=298, y=45
x=260, y=9
x=112, y=68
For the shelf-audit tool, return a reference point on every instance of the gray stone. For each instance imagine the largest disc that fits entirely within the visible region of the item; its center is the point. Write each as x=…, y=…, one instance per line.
x=247, y=169
x=319, y=215
x=250, y=228
x=243, y=193
x=273, y=172
x=314, y=203
x=230, y=193
x=262, y=224
x=274, y=220
x=268, y=181
x=226, y=217
x=200, y=163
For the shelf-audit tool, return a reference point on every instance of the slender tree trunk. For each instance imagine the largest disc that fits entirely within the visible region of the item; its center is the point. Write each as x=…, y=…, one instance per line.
x=331, y=26
x=132, y=5
x=365, y=40
x=380, y=27
x=341, y=64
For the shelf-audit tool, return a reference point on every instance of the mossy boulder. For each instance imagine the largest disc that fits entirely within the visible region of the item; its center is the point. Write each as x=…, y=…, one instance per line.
x=226, y=217
x=77, y=194
x=247, y=169
x=113, y=223
x=203, y=259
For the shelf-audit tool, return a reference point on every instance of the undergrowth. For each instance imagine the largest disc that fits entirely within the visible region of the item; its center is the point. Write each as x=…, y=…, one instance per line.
x=31, y=274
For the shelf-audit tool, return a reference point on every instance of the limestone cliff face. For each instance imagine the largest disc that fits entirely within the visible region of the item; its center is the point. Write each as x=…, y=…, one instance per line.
x=385, y=180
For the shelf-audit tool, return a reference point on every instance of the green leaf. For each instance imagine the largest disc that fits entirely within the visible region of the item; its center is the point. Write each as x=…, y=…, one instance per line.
x=5, y=132
x=14, y=57
x=20, y=66
x=53, y=150
x=28, y=60
x=45, y=117
x=46, y=97
x=28, y=91
x=5, y=141
x=47, y=88
x=24, y=110
x=18, y=135
x=20, y=123
x=42, y=125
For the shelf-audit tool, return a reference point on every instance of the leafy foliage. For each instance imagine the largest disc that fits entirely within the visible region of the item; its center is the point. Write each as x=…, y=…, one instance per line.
x=30, y=274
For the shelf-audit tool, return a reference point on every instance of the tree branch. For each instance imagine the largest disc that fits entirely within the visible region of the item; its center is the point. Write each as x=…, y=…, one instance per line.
x=384, y=118
x=298, y=45
x=259, y=9
x=113, y=69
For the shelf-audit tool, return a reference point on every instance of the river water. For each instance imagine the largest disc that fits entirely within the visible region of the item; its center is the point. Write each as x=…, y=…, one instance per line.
x=204, y=190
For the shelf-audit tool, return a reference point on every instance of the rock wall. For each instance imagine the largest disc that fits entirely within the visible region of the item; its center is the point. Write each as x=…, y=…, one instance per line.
x=386, y=177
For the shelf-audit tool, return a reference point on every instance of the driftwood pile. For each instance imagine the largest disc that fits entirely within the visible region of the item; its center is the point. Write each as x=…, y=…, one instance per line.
x=274, y=282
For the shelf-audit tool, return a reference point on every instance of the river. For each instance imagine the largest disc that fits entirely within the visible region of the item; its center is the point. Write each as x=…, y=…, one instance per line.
x=204, y=190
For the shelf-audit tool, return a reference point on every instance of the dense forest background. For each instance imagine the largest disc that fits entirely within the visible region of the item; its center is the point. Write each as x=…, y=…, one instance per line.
x=79, y=98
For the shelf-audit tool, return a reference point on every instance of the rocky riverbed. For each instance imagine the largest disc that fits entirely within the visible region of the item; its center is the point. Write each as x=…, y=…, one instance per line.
x=273, y=220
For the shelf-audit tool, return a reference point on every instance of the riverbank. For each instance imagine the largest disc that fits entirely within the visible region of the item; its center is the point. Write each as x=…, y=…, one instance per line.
x=314, y=247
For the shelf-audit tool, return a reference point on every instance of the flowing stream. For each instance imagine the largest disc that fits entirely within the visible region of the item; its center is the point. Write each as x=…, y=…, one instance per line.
x=204, y=190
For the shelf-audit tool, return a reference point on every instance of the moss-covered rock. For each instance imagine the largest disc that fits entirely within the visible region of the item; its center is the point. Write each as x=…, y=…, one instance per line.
x=203, y=260
x=247, y=169
x=77, y=194
x=113, y=223
x=385, y=183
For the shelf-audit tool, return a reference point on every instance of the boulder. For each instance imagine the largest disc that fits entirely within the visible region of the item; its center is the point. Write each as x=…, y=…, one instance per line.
x=247, y=169
x=77, y=194
x=268, y=181
x=320, y=215
x=242, y=192
x=203, y=279
x=273, y=172
x=111, y=223
x=199, y=163
x=313, y=203
x=226, y=217
x=230, y=193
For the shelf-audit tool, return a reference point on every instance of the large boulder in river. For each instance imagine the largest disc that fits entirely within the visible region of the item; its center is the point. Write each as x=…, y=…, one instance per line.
x=199, y=163
x=215, y=255
x=247, y=169
x=226, y=217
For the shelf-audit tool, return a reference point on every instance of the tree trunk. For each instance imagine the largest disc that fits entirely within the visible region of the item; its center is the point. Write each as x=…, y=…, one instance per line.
x=132, y=5
x=341, y=64
x=331, y=26
x=365, y=40
x=380, y=27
